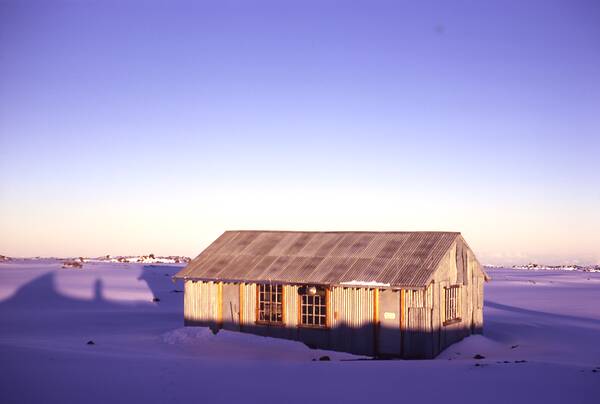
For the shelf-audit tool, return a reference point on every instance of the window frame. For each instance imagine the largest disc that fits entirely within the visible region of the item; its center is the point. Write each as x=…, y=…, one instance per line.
x=452, y=293
x=280, y=302
x=325, y=304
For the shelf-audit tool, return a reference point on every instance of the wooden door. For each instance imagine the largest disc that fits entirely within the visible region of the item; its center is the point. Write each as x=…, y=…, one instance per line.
x=231, y=306
x=389, y=336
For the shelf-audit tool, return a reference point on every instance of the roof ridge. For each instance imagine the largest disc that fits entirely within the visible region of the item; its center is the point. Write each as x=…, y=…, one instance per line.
x=345, y=231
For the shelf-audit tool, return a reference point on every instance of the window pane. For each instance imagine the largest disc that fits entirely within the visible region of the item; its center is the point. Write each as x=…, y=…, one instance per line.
x=451, y=296
x=313, y=309
x=270, y=307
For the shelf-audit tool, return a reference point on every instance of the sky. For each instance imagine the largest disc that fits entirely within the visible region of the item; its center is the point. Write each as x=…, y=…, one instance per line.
x=133, y=127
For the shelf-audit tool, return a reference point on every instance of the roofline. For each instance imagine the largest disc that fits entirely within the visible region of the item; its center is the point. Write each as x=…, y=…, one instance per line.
x=441, y=260
x=343, y=231
x=486, y=277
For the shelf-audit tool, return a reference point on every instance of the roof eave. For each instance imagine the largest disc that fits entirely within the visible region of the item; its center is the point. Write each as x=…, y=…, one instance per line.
x=327, y=284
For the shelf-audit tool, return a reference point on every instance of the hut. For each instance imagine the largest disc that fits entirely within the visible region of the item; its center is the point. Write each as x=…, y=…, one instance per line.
x=381, y=294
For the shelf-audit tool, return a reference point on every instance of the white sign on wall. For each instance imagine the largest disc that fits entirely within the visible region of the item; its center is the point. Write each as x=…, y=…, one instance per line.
x=389, y=315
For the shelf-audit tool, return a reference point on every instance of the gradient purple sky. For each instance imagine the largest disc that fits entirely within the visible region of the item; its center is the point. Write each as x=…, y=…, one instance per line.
x=132, y=127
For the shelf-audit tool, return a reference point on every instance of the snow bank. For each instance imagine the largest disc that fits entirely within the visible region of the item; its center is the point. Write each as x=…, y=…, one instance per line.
x=540, y=345
x=188, y=335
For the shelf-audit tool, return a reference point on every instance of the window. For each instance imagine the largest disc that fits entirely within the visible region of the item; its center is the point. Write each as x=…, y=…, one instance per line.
x=270, y=304
x=313, y=306
x=452, y=300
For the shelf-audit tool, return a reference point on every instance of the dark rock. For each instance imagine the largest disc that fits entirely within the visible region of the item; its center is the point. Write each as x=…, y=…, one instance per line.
x=478, y=356
x=176, y=291
x=506, y=361
x=521, y=361
x=155, y=299
x=325, y=358
x=90, y=342
x=514, y=346
x=72, y=264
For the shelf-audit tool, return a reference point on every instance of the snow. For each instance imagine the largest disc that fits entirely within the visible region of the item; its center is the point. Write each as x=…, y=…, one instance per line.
x=141, y=259
x=365, y=283
x=587, y=268
x=141, y=352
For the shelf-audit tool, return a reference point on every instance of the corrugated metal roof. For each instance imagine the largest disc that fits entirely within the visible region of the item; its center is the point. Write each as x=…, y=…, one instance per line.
x=402, y=259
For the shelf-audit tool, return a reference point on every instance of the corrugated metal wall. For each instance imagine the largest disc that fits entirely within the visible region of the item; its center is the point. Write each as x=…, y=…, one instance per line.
x=419, y=298
x=418, y=338
x=352, y=307
x=248, y=303
x=201, y=302
x=470, y=296
x=290, y=306
x=350, y=318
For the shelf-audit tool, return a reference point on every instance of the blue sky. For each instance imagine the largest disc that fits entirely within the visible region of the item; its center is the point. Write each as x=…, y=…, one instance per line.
x=133, y=127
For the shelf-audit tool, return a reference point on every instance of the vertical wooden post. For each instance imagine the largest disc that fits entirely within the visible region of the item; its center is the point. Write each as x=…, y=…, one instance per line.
x=299, y=310
x=376, y=322
x=402, y=322
x=256, y=305
x=219, y=305
x=283, y=305
x=241, y=304
x=328, y=306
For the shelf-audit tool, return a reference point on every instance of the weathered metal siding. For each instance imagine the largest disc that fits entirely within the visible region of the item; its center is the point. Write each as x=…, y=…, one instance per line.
x=389, y=336
x=418, y=338
x=478, y=278
x=230, y=301
x=352, y=320
x=290, y=305
x=477, y=296
x=458, y=267
x=201, y=302
x=352, y=306
x=446, y=276
x=248, y=304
